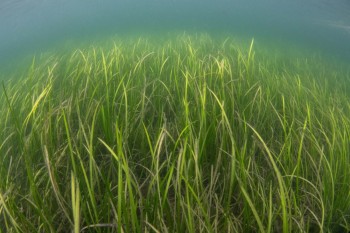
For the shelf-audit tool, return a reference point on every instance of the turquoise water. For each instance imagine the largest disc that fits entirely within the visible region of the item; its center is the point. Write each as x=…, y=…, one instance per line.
x=29, y=27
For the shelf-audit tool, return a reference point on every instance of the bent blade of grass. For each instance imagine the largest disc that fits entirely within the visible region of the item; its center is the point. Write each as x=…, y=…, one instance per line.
x=282, y=119
x=89, y=140
x=99, y=225
x=162, y=66
x=120, y=206
x=105, y=70
x=126, y=118
x=90, y=190
x=152, y=227
x=199, y=203
x=297, y=166
x=61, y=201
x=224, y=115
x=156, y=150
x=42, y=96
x=140, y=61
x=319, y=198
x=233, y=145
x=167, y=186
x=13, y=220
x=41, y=214
x=123, y=166
x=331, y=177
x=250, y=52
x=252, y=207
x=69, y=141
x=283, y=197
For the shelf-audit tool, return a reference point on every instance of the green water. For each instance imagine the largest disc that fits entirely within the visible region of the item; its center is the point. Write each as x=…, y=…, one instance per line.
x=33, y=27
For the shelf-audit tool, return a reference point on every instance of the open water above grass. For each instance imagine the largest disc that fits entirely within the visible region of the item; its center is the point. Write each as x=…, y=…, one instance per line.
x=30, y=27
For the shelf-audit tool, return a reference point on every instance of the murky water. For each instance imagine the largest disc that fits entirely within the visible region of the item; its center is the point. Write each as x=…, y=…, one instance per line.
x=33, y=26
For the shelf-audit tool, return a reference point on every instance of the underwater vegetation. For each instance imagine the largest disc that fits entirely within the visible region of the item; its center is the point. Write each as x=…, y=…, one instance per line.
x=190, y=134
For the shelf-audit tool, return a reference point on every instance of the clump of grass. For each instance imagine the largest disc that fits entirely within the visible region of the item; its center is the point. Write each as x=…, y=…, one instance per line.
x=182, y=135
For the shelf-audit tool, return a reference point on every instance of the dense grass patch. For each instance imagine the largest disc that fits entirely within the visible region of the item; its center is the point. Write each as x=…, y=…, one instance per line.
x=188, y=134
